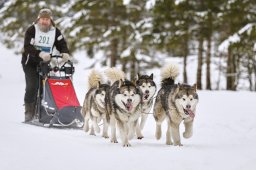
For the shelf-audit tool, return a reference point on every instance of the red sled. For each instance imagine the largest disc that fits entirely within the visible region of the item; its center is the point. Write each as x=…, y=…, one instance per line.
x=57, y=103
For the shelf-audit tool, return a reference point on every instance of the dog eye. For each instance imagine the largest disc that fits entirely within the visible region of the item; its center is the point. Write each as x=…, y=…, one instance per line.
x=183, y=99
x=191, y=99
x=125, y=94
x=132, y=94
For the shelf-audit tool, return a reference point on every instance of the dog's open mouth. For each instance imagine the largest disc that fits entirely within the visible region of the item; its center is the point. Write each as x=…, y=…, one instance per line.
x=128, y=105
x=189, y=112
x=146, y=96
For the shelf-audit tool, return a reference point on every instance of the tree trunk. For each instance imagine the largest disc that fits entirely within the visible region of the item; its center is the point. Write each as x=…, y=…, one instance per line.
x=124, y=65
x=114, y=53
x=133, y=65
x=199, y=64
x=185, y=78
x=236, y=71
x=208, y=64
x=230, y=70
x=249, y=69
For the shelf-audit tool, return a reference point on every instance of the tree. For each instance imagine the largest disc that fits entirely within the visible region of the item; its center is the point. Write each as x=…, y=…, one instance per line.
x=236, y=16
x=172, y=25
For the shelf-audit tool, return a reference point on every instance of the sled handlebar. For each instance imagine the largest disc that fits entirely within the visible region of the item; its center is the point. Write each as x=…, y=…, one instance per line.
x=56, y=56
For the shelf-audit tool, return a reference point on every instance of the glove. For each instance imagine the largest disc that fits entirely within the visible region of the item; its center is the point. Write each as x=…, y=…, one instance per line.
x=45, y=56
x=65, y=57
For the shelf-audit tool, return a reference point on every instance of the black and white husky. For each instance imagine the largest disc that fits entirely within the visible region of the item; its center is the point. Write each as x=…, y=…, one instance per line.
x=123, y=106
x=176, y=103
x=94, y=106
x=148, y=89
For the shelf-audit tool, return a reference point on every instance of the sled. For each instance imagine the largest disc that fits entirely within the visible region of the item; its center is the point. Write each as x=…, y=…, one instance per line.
x=57, y=104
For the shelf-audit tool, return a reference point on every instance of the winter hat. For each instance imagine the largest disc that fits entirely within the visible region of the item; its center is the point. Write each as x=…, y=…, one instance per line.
x=45, y=13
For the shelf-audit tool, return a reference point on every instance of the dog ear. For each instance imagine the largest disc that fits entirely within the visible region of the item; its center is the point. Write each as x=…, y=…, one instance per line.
x=194, y=87
x=138, y=91
x=118, y=90
x=98, y=85
x=138, y=75
x=151, y=76
x=120, y=83
x=177, y=88
x=135, y=80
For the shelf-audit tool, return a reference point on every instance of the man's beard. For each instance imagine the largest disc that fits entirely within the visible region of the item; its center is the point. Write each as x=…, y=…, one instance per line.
x=44, y=28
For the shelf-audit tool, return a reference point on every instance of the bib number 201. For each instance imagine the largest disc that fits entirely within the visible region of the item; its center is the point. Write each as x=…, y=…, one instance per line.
x=44, y=40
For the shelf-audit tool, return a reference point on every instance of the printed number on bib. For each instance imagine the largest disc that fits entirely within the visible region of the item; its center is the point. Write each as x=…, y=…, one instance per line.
x=44, y=40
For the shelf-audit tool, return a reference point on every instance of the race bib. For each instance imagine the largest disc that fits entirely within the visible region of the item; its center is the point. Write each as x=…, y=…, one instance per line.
x=44, y=40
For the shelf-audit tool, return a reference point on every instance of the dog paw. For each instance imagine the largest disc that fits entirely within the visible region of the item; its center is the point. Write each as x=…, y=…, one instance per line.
x=105, y=136
x=114, y=141
x=93, y=134
x=178, y=144
x=86, y=128
x=158, y=132
x=169, y=143
x=127, y=145
x=187, y=135
x=140, y=137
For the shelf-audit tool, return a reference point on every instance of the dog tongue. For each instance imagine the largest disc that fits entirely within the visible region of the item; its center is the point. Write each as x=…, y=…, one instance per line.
x=191, y=113
x=129, y=106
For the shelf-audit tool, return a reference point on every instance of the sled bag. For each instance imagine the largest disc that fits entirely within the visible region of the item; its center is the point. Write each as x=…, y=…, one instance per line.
x=59, y=102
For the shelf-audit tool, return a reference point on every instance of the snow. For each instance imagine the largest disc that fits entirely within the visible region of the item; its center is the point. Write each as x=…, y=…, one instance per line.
x=223, y=47
x=177, y=2
x=224, y=133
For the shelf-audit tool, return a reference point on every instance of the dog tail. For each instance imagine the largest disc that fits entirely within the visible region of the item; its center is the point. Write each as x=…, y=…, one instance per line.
x=169, y=74
x=113, y=74
x=94, y=79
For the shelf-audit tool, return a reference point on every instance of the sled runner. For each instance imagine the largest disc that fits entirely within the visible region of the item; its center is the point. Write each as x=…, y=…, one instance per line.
x=57, y=104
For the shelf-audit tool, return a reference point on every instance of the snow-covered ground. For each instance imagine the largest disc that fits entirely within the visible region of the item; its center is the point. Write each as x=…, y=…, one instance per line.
x=224, y=134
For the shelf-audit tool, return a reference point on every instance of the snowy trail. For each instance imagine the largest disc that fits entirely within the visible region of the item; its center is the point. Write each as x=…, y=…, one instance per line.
x=224, y=134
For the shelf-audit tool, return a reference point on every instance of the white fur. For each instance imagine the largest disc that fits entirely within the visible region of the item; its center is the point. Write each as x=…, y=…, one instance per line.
x=94, y=78
x=151, y=89
x=170, y=71
x=113, y=74
x=120, y=98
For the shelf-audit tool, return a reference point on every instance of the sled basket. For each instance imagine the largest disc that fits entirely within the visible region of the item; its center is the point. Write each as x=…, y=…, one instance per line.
x=59, y=104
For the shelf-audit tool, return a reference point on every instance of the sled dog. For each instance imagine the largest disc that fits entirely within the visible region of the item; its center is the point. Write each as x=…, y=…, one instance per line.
x=123, y=106
x=176, y=103
x=94, y=106
x=147, y=87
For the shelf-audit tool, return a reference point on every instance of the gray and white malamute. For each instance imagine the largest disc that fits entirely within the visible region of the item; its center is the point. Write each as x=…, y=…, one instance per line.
x=176, y=103
x=94, y=106
x=123, y=105
x=148, y=89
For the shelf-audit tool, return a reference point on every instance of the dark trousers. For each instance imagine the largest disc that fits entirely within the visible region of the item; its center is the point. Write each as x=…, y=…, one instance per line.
x=32, y=83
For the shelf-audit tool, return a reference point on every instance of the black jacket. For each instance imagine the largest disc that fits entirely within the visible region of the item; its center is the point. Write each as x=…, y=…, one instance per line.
x=30, y=55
